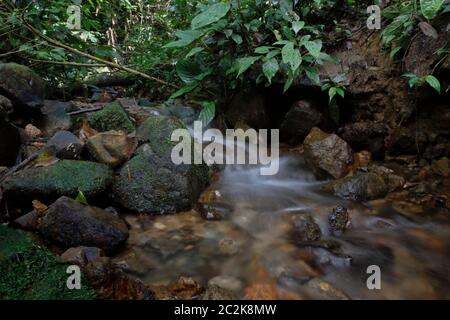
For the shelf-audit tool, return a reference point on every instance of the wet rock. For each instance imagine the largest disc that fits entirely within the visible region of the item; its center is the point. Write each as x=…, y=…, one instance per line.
x=304, y=229
x=212, y=206
x=393, y=182
x=111, y=117
x=299, y=121
x=217, y=293
x=32, y=132
x=185, y=113
x=327, y=154
x=72, y=224
x=139, y=112
x=362, y=159
x=250, y=108
x=22, y=85
x=320, y=289
x=366, y=135
x=55, y=117
x=9, y=144
x=228, y=283
x=66, y=177
x=184, y=289
x=81, y=255
x=6, y=107
x=338, y=219
x=360, y=187
x=65, y=145
x=229, y=247
x=150, y=183
x=112, y=148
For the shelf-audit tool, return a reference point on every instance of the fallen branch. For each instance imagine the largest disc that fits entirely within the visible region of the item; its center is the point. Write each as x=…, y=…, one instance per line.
x=74, y=113
x=68, y=63
x=91, y=57
x=20, y=166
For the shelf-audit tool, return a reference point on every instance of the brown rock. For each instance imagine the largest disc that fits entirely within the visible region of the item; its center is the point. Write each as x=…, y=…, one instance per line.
x=112, y=148
x=29, y=222
x=261, y=292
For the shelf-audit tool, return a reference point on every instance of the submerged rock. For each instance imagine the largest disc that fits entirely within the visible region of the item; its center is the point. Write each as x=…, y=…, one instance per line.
x=327, y=154
x=217, y=293
x=65, y=145
x=304, y=229
x=299, y=121
x=64, y=178
x=21, y=85
x=72, y=224
x=320, y=289
x=111, y=117
x=9, y=144
x=112, y=148
x=360, y=187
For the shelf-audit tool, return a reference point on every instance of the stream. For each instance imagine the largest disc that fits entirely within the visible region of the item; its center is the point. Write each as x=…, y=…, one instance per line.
x=253, y=245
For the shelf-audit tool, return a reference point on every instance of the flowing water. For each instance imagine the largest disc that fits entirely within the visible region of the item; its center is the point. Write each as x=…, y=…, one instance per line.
x=253, y=245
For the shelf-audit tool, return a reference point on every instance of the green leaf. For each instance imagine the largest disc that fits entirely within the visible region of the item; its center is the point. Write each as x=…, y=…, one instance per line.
x=270, y=69
x=340, y=91
x=272, y=54
x=297, y=26
x=312, y=74
x=212, y=14
x=186, y=37
x=81, y=199
x=183, y=90
x=394, y=52
x=291, y=56
x=194, y=51
x=263, y=49
x=208, y=113
x=430, y=8
x=188, y=71
x=314, y=48
x=332, y=93
x=433, y=82
x=243, y=64
x=289, y=82
x=236, y=38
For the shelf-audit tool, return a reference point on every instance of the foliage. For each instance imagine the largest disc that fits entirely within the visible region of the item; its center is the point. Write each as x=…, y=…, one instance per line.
x=415, y=81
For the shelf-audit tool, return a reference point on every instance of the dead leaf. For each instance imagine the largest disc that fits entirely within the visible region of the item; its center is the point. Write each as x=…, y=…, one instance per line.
x=45, y=159
x=86, y=131
x=428, y=30
x=39, y=207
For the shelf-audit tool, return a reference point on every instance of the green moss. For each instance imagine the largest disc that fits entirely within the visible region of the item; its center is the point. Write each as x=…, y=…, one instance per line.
x=111, y=117
x=66, y=177
x=30, y=272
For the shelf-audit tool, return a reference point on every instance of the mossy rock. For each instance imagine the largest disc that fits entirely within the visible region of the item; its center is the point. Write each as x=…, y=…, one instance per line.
x=64, y=178
x=157, y=132
x=111, y=117
x=31, y=272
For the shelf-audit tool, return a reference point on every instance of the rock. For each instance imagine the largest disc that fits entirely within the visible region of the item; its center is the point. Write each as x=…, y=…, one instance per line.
x=261, y=292
x=185, y=113
x=360, y=187
x=156, y=131
x=217, y=293
x=21, y=85
x=212, y=207
x=55, y=117
x=72, y=224
x=441, y=167
x=362, y=159
x=366, y=135
x=81, y=255
x=226, y=282
x=250, y=108
x=64, y=178
x=185, y=289
x=149, y=183
x=10, y=142
x=327, y=154
x=321, y=289
x=29, y=222
x=304, y=229
x=111, y=117
x=406, y=141
x=392, y=181
x=299, y=121
x=29, y=271
x=229, y=247
x=65, y=145
x=112, y=148
x=6, y=107
x=32, y=132
x=338, y=219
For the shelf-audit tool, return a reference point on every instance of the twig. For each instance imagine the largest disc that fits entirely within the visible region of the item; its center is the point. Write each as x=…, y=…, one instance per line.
x=84, y=111
x=86, y=55
x=20, y=166
x=87, y=65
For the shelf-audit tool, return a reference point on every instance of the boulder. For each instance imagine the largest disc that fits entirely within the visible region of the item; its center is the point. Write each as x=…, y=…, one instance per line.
x=10, y=142
x=112, y=148
x=304, y=229
x=64, y=178
x=81, y=255
x=55, y=117
x=111, y=117
x=65, y=145
x=360, y=187
x=21, y=85
x=299, y=121
x=150, y=183
x=327, y=154
x=72, y=224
